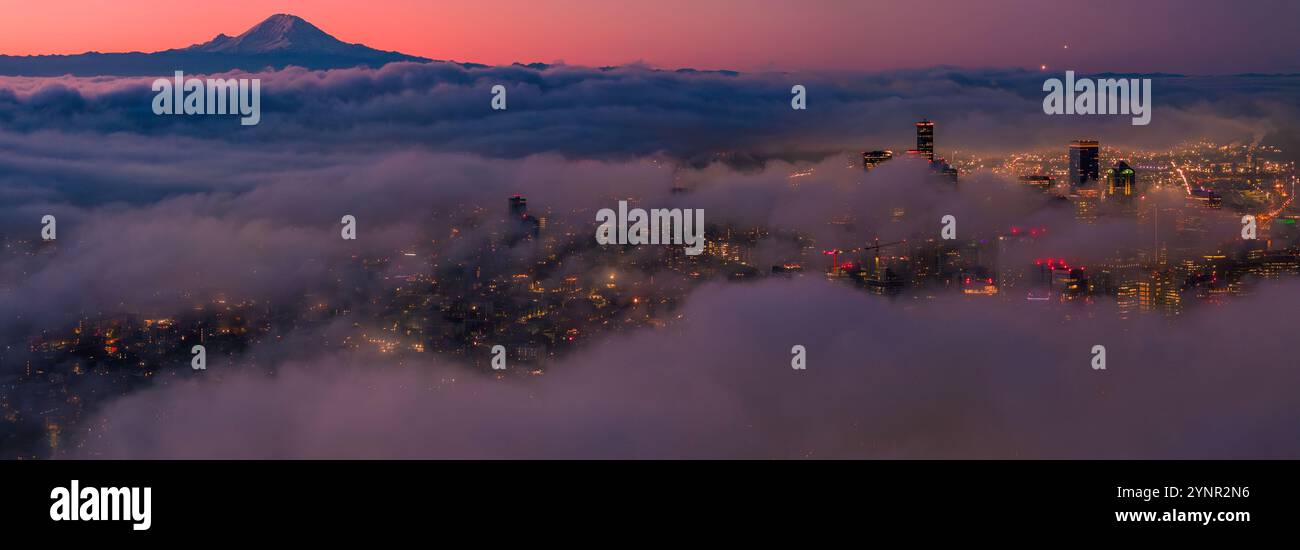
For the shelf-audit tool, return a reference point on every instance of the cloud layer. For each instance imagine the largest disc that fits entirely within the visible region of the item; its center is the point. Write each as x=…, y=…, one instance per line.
x=628, y=111
x=156, y=212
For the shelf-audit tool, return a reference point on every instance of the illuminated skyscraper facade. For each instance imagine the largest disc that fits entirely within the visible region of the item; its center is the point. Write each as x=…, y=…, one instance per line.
x=1122, y=181
x=925, y=139
x=1085, y=161
x=872, y=159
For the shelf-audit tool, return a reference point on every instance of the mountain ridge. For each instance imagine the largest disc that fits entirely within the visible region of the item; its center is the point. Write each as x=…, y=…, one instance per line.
x=279, y=41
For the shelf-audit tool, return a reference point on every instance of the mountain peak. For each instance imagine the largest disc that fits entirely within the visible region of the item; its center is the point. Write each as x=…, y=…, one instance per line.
x=281, y=32
x=280, y=41
x=288, y=18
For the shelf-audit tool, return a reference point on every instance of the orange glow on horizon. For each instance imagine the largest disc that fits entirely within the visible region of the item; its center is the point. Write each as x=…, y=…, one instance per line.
x=745, y=35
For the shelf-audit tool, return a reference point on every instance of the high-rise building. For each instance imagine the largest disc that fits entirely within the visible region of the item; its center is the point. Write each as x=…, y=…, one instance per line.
x=519, y=211
x=1086, y=201
x=1123, y=181
x=925, y=139
x=1085, y=161
x=1127, y=298
x=518, y=206
x=1165, y=295
x=1075, y=285
x=872, y=159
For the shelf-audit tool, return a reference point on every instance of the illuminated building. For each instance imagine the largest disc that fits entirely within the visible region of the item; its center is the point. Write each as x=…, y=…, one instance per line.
x=787, y=268
x=1086, y=202
x=1039, y=182
x=1277, y=265
x=1122, y=181
x=1085, y=161
x=1074, y=284
x=1160, y=293
x=925, y=139
x=872, y=159
x=1121, y=277
x=978, y=283
x=1127, y=299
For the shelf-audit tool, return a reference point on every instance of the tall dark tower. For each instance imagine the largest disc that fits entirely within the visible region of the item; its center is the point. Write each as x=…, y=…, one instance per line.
x=1085, y=161
x=518, y=206
x=925, y=139
x=519, y=211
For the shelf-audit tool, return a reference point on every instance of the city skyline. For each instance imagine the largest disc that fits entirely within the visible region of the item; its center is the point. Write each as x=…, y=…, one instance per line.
x=350, y=253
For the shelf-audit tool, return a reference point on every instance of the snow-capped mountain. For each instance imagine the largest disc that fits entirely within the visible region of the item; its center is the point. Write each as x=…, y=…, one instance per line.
x=279, y=41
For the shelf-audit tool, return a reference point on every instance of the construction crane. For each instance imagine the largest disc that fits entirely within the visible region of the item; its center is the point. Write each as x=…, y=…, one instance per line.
x=834, y=253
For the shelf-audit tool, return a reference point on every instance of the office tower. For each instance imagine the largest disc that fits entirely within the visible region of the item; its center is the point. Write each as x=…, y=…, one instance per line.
x=1075, y=285
x=519, y=212
x=1127, y=298
x=1123, y=180
x=872, y=159
x=1085, y=161
x=1086, y=201
x=1166, y=296
x=925, y=139
x=518, y=206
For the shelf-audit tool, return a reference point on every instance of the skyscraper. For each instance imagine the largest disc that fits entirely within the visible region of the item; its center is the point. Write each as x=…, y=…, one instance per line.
x=1085, y=161
x=519, y=211
x=1123, y=181
x=518, y=206
x=872, y=159
x=925, y=139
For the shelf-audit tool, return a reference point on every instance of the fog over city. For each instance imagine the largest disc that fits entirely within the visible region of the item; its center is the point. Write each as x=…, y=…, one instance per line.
x=719, y=385
x=377, y=347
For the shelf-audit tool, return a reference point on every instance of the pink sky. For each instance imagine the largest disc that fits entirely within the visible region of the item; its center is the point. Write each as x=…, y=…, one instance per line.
x=1191, y=36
